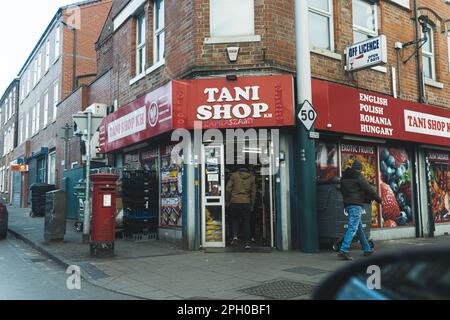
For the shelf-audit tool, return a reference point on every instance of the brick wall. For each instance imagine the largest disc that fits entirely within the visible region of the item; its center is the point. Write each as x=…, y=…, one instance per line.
x=74, y=103
x=92, y=19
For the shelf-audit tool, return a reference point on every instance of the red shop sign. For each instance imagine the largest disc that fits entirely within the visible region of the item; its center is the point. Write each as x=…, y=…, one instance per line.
x=146, y=117
x=266, y=101
x=247, y=102
x=348, y=110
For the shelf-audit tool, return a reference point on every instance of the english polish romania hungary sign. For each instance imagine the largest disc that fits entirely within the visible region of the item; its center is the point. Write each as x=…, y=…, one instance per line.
x=366, y=54
x=349, y=110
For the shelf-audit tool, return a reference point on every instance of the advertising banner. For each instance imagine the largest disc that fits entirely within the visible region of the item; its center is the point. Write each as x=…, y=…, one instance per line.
x=439, y=185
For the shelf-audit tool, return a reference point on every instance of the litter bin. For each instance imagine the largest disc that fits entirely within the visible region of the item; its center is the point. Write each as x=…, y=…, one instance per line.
x=333, y=220
x=38, y=191
x=80, y=194
x=55, y=216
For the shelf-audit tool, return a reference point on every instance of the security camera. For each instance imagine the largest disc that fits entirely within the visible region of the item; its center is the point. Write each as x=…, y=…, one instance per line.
x=424, y=22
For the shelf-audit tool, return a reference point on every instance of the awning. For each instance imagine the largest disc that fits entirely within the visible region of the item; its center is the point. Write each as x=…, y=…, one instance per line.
x=40, y=153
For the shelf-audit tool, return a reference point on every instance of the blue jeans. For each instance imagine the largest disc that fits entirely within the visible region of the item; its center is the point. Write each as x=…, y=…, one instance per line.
x=355, y=227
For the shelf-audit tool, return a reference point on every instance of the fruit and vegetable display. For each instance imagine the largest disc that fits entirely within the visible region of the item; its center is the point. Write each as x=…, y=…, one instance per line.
x=395, y=187
x=439, y=186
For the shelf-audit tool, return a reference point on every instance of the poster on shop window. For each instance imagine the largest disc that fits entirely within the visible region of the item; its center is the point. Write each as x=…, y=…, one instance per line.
x=171, y=190
x=439, y=185
x=326, y=161
x=367, y=155
x=395, y=186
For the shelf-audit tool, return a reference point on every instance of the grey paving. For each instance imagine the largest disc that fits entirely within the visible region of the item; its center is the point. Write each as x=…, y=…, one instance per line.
x=161, y=270
x=27, y=275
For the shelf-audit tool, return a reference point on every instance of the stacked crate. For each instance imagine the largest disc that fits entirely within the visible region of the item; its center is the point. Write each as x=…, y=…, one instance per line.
x=38, y=198
x=140, y=191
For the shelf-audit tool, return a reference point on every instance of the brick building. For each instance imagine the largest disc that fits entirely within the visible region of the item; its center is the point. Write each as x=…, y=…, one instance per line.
x=63, y=59
x=8, y=138
x=229, y=64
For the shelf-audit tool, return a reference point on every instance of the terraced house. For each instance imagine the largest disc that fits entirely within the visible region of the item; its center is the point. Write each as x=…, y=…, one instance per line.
x=63, y=59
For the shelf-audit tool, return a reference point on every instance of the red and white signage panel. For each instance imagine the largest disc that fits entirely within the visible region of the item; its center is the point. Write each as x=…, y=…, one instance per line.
x=247, y=102
x=349, y=110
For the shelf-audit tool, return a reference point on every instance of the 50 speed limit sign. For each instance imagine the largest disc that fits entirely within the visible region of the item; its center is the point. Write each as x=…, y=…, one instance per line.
x=307, y=115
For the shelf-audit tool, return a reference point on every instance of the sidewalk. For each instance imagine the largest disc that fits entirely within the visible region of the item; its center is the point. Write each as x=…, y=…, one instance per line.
x=159, y=270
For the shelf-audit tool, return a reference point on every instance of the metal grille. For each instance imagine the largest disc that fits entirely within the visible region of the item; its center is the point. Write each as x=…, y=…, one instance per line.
x=282, y=289
x=306, y=271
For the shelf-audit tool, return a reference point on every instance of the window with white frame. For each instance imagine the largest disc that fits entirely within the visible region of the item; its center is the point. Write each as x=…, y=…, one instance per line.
x=27, y=124
x=55, y=99
x=11, y=103
x=45, y=109
x=21, y=128
x=365, y=20
x=321, y=23
x=448, y=49
x=428, y=58
x=232, y=18
x=141, y=43
x=1, y=112
x=57, y=42
x=33, y=120
x=38, y=113
x=159, y=33
x=22, y=89
x=47, y=55
x=39, y=67
x=6, y=111
x=52, y=168
x=28, y=80
x=35, y=72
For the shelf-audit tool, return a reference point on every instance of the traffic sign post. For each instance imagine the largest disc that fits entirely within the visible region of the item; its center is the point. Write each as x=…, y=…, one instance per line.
x=307, y=115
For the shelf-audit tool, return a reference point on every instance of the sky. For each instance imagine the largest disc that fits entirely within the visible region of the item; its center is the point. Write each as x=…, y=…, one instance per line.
x=22, y=22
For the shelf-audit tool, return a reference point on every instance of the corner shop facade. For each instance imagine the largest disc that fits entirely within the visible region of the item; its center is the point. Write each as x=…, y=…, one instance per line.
x=405, y=149
x=147, y=132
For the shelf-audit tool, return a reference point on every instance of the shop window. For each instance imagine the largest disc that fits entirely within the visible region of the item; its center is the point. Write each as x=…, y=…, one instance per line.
x=365, y=23
x=367, y=155
x=159, y=33
x=232, y=18
x=428, y=58
x=396, y=187
x=171, y=190
x=140, y=44
x=438, y=172
x=326, y=161
x=321, y=22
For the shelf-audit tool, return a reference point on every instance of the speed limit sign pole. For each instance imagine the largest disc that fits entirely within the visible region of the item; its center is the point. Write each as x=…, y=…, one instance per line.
x=308, y=229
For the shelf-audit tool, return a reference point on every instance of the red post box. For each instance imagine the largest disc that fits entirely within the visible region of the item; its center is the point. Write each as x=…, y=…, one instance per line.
x=103, y=215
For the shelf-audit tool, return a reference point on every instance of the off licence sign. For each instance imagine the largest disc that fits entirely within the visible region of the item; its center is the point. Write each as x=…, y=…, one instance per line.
x=19, y=168
x=365, y=54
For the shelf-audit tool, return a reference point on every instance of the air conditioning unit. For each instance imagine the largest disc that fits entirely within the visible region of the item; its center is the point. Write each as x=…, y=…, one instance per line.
x=98, y=109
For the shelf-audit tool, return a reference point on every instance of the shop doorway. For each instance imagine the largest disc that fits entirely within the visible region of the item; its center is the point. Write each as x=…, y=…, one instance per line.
x=216, y=170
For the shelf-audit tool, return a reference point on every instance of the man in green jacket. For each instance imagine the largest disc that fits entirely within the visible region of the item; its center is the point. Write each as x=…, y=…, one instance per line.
x=356, y=191
x=241, y=195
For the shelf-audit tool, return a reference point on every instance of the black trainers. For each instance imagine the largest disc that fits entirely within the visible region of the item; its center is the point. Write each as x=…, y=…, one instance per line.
x=369, y=253
x=345, y=256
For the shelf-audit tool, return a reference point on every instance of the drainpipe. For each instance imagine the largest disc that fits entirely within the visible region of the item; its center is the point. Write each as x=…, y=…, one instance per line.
x=418, y=62
x=306, y=172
